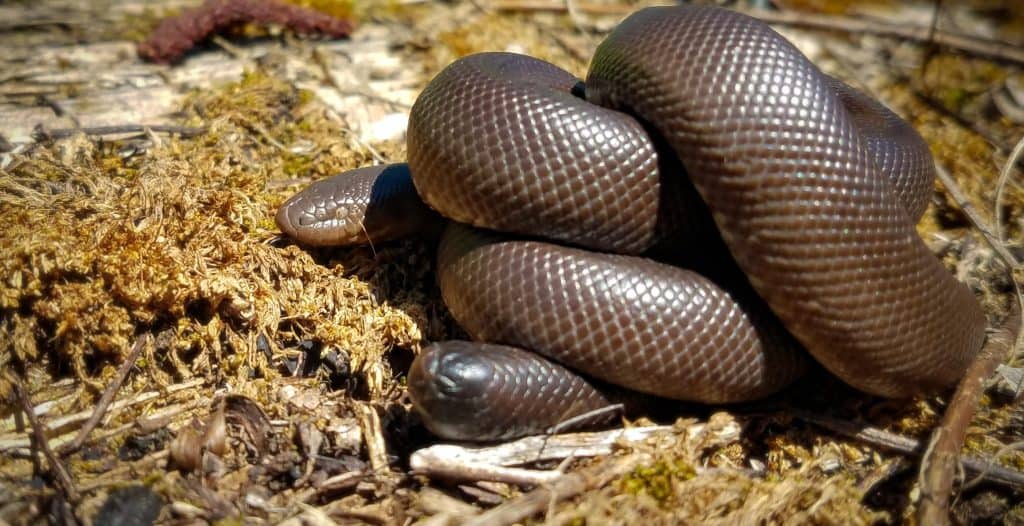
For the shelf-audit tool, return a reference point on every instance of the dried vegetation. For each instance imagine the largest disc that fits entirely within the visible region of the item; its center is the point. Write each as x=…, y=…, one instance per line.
x=268, y=384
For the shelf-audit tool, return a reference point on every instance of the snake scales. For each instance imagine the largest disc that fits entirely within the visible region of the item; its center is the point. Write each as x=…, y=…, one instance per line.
x=698, y=130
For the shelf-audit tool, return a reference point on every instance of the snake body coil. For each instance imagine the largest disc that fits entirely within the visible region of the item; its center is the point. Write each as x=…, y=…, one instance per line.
x=813, y=188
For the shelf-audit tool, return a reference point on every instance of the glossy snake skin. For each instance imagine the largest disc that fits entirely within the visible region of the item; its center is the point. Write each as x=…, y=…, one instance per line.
x=687, y=113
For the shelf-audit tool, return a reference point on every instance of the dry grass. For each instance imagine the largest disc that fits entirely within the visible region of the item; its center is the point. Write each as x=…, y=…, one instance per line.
x=108, y=241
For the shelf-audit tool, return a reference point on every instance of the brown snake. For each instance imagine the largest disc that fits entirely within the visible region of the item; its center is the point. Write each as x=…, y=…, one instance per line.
x=689, y=112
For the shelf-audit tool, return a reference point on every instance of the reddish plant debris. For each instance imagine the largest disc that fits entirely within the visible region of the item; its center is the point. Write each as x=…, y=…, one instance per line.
x=176, y=35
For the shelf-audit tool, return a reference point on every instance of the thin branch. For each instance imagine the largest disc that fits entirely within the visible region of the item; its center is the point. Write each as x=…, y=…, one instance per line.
x=578, y=421
x=106, y=398
x=975, y=218
x=11, y=441
x=476, y=463
x=446, y=462
x=562, y=7
x=924, y=34
x=867, y=434
x=986, y=469
x=979, y=127
x=1016, y=446
x=373, y=437
x=940, y=461
x=43, y=134
x=1004, y=177
x=61, y=478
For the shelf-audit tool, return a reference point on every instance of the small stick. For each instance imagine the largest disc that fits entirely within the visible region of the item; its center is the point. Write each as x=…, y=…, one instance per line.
x=562, y=7
x=440, y=462
x=369, y=421
x=578, y=420
x=986, y=469
x=871, y=435
x=539, y=448
x=61, y=477
x=42, y=134
x=106, y=398
x=968, y=209
x=1004, y=177
x=924, y=34
x=476, y=463
x=940, y=461
x=8, y=442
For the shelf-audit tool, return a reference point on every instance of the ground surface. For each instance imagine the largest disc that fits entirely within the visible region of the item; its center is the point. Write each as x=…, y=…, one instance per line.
x=266, y=380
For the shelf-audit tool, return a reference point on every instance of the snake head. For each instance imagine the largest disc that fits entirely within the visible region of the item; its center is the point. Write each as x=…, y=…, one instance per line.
x=449, y=384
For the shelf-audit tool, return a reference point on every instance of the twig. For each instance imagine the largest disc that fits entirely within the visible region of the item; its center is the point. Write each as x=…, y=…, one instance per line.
x=561, y=7
x=253, y=126
x=446, y=461
x=882, y=473
x=491, y=463
x=578, y=421
x=1004, y=177
x=968, y=209
x=570, y=48
x=9, y=442
x=369, y=421
x=941, y=459
x=925, y=34
x=1016, y=446
x=42, y=134
x=61, y=477
x=548, y=447
x=106, y=398
x=228, y=47
x=979, y=127
x=333, y=115
x=564, y=487
x=987, y=469
x=868, y=434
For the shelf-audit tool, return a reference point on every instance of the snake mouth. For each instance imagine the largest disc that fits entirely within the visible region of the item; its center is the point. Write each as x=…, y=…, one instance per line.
x=300, y=216
x=287, y=218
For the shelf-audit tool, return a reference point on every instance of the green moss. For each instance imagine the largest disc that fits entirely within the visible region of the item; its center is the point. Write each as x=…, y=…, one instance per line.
x=658, y=480
x=295, y=165
x=955, y=98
